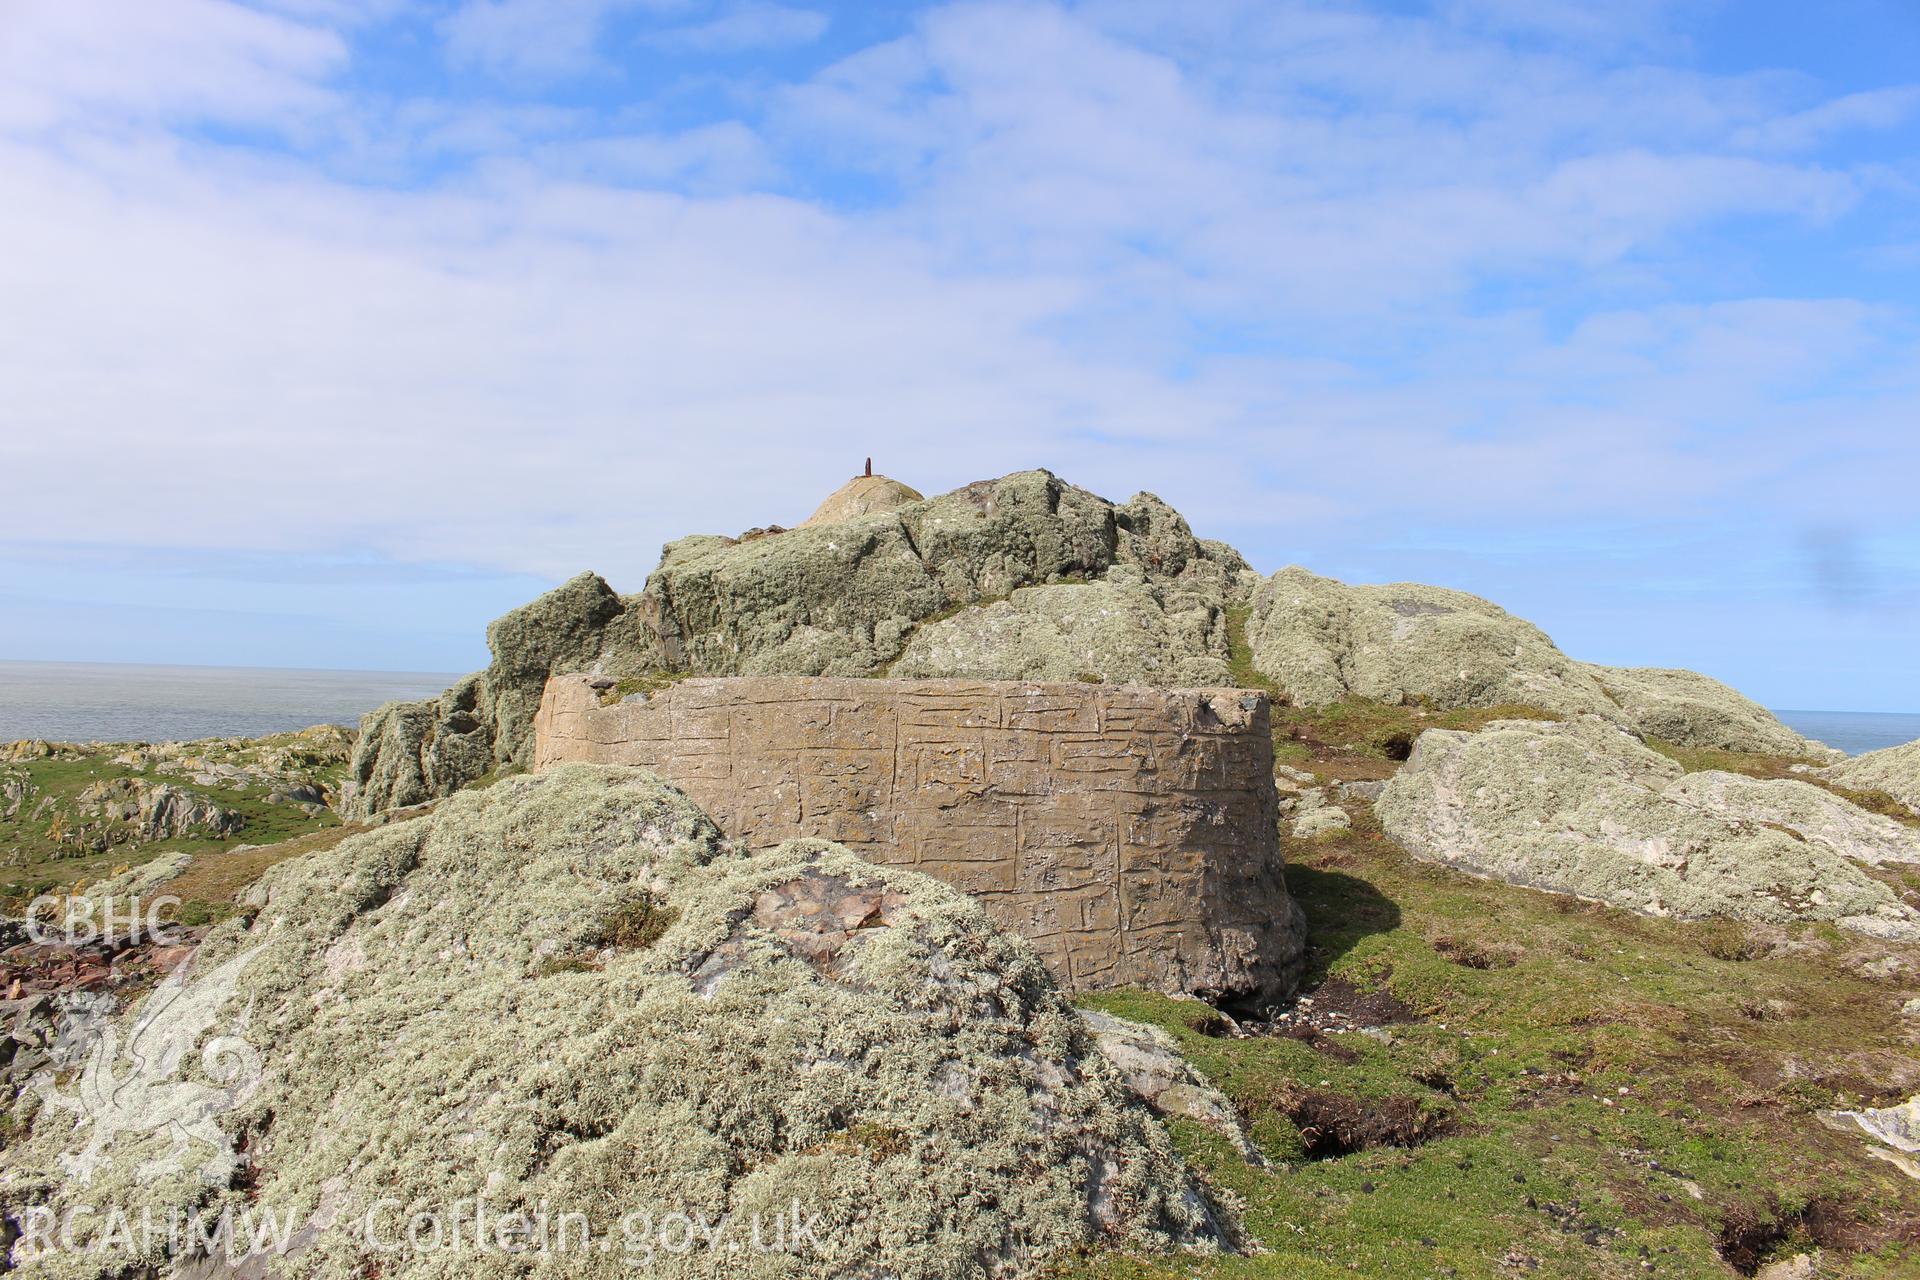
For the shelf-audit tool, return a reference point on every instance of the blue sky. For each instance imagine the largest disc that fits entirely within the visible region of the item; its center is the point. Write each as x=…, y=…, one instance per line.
x=337, y=327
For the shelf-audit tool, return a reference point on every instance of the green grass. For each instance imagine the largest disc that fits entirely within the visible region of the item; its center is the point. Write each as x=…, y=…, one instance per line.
x=34, y=860
x=649, y=683
x=1597, y=1069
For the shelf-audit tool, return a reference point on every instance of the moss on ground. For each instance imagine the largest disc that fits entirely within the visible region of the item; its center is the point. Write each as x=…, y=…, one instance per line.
x=1622, y=1096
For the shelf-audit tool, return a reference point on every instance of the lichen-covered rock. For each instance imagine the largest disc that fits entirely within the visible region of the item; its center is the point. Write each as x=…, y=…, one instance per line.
x=566, y=995
x=411, y=752
x=1813, y=813
x=1693, y=710
x=1894, y=770
x=1895, y=1130
x=1308, y=813
x=1150, y=1062
x=1324, y=641
x=1582, y=807
x=1118, y=630
x=839, y=597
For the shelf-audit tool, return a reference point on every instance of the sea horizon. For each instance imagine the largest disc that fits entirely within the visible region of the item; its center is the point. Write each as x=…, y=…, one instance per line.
x=165, y=702
x=174, y=702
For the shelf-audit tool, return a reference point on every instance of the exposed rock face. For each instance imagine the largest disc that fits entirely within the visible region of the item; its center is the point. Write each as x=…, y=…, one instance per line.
x=1693, y=710
x=1127, y=833
x=862, y=496
x=1895, y=770
x=1895, y=1129
x=1581, y=807
x=1154, y=1069
x=1325, y=641
x=842, y=599
x=837, y=598
x=1117, y=630
x=157, y=811
x=167, y=811
x=461, y=1007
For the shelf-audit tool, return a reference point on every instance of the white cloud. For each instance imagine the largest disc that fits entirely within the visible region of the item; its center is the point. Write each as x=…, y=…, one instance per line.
x=1873, y=109
x=533, y=39
x=99, y=63
x=751, y=26
x=603, y=333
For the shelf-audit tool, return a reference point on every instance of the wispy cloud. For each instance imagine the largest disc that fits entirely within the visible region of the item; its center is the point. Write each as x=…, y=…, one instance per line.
x=749, y=27
x=1311, y=271
x=1872, y=109
x=533, y=39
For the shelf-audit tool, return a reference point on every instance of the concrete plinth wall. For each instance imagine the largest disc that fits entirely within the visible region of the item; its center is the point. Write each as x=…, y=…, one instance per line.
x=1128, y=833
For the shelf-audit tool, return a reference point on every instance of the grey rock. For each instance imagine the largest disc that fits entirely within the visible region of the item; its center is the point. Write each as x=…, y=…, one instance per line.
x=842, y=597
x=1894, y=770
x=1324, y=641
x=1153, y=1068
x=1582, y=807
x=872, y=1046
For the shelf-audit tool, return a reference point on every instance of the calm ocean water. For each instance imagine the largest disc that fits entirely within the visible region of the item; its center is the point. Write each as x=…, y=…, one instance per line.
x=1855, y=732
x=109, y=702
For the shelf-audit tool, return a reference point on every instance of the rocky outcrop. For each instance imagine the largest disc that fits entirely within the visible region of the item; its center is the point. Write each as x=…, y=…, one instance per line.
x=1154, y=1069
x=1308, y=814
x=862, y=496
x=1324, y=641
x=1894, y=771
x=1118, y=630
x=1582, y=807
x=566, y=994
x=144, y=811
x=1024, y=577
x=1127, y=833
x=1894, y=1132
x=1692, y=710
x=841, y=597
x=167, y=812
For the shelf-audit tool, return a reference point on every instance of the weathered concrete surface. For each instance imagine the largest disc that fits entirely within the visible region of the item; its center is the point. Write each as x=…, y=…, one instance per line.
x=1127, y=833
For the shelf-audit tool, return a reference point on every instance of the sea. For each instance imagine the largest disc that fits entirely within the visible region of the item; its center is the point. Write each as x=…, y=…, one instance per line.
x=1855, y=732
x=112, y=702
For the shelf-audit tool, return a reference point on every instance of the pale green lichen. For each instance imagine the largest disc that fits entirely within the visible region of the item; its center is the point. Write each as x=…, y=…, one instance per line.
x=1325, y=641
x=1117, y=630
x=838, y=599
x=1584, y=808
x=419, y=1048
x=1894, y=771
x=1692, y=710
